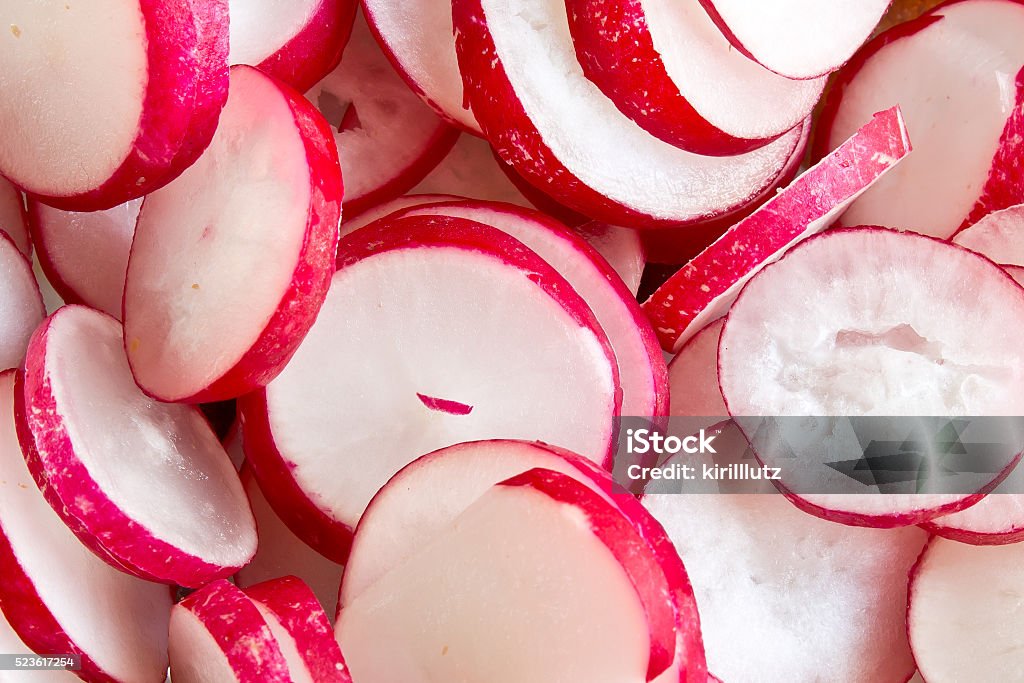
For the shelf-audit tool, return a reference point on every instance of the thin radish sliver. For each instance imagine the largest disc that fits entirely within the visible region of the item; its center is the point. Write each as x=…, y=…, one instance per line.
x=21, y=304
x=393, y=206
x=13, y=219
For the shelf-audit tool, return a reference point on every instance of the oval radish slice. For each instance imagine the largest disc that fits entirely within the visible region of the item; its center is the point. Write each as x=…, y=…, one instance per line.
x=952, y=73
x=13, y=219
x=470, y=170
x=58, y=597
x=21, y=303
x=231, y=262
x=478, y=337
x=999, y=236
x=667, y=67
x=148, y=80
x=565, y=137
x=144, y=483
x=297, y=42
x=693, y=376
x=797, y=38
x=887, y=323
x=85, y=255
x=387, y=138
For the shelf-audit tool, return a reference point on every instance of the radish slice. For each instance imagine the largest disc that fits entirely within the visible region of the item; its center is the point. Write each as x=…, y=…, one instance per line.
x=621, y=247
x=387, y=138
x=143, y=483
x=565, y=137
x=13, y=219
x=705, y=287
x=418, y=39
x=952, y=73
x=58, y=597
x=470, y=170
x=85, y=255
x=394, y=206
x=231, y=262
x=531, y=362
x=667, y=67
x=297, y=42
x=693, y=376
x=147, y=79
x=539, y=561
x=219, y=634
x=999, y=236
x=21, y=303
x=887, y=323
x=963, y=617
x=302, y=630
x=282, y=553
x=797, y=38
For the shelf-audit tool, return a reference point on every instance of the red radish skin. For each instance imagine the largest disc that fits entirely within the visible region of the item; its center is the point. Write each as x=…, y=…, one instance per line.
x=161, y=347
x=706, y=286
x=21, y=303
x=11, y=644
x=13, y=218
x=158, y=102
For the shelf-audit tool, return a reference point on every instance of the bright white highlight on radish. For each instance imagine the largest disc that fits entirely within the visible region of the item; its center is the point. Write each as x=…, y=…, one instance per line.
x=259, y=28
x=21, y=304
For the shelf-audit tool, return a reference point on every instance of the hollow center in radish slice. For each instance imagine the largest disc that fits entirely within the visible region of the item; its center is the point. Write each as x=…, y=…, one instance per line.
x=259, y=28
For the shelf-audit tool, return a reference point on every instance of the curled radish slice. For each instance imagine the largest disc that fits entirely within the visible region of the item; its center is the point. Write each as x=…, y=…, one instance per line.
x=13, y=219
x=57, y=596
x=479, y=338
x=887, y=324
x=231, y=262
x=21, y=304
x=145, y=484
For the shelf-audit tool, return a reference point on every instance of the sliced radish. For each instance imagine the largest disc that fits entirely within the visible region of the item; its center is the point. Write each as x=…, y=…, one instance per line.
x=797, y=38
x=667, y=67
x=418, y=39
x=693, y=375
x=13, y=219
x=58, y=597
x=470, y=170
x=621, y=247
x=1016, y=272
x=282, y=553
x=302, y=630
x=147, y=79
x=219, y=634
x=999, y=235
x=387, y=138
x=232, y=260
x=297, y=42
x=477, y=337
x=885, y=323
x=705, y=287
x=565, y=137
x=21, y=303
x=952, y=73
x=85, y=255
x=1002, y=187
x=143, y=483
x=963, y=616
x=397, y=205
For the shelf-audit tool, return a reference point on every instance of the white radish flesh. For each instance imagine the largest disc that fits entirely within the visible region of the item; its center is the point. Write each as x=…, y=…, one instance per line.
x=999, y=236
x=21, y=304
x=693, y=376
x=470, y=170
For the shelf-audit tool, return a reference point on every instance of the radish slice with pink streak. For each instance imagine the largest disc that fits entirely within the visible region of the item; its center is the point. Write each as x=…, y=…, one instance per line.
x=21, y=303
x=145, y=484
x=57, y=596
x=13, y=219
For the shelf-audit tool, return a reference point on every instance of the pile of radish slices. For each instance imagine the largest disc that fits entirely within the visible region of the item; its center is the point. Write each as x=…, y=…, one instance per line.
x=319, y=321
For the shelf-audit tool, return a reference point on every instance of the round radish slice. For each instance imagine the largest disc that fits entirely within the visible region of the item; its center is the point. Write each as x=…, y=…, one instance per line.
x=693, y=375
x=219, y=634
x=387, y=138
x=477, y=337
x=21, y=304
x=667, y=67
x=797, y=38
x=565, y=137
x=952, y=73
x=999, y=236
x=13, y=219
x=886, y=324
x=231, y=262
x=470, y=170
x=963, y=616
x=147, y=79
x=85, y=255
x=297, y=42
x=144, y=483
x=58, y=597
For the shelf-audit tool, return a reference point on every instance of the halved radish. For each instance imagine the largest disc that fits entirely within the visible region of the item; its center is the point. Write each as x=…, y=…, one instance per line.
x=565, y=137
x=147, y=78
x=952, y=73
x=470, y=170
x=705, y=287
x=963, y=616
x=693, y=376
x=219, y=634
x=999, y=236
x=21, y=303
x=231, y=262
x=13, y=219
x=297, y=42
x=144, y=484
x=418, y=39
x=797, y=38
x=885, y=324
x=58, y=597
x=477, y=337
x=85, y=255
x=667, y=67
x=387, y=138
x=302, y=630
